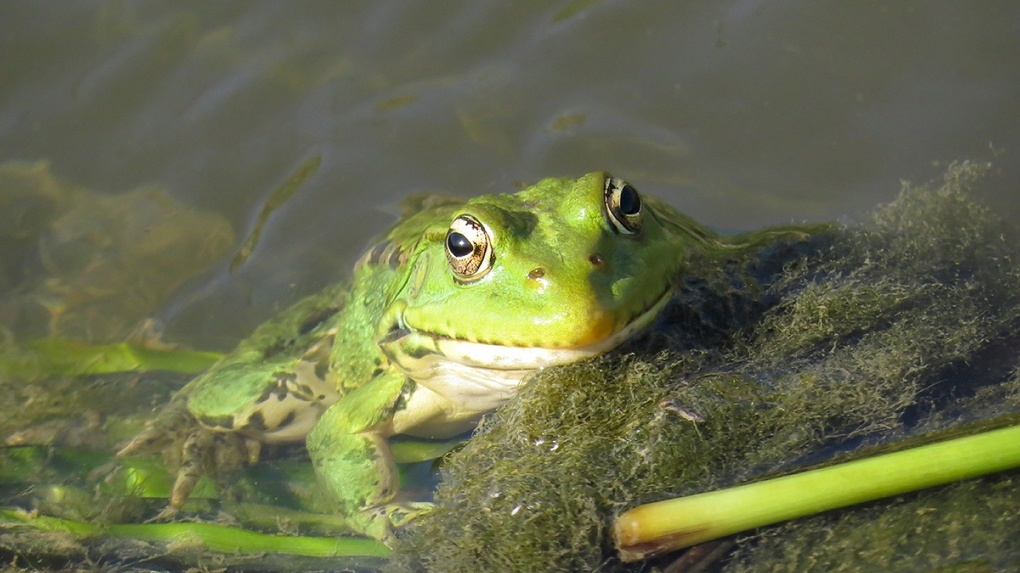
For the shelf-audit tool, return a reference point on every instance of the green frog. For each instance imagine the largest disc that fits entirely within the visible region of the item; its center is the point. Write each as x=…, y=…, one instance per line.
x=441, y=323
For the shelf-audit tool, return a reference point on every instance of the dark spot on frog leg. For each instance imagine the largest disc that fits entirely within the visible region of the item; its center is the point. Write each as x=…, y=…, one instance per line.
x=269, y=391
x=304, y=392
x=321, y=369
x=286, y=421
x=256, y=422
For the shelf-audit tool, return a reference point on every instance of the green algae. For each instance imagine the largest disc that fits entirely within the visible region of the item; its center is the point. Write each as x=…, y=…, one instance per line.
x=900, y=326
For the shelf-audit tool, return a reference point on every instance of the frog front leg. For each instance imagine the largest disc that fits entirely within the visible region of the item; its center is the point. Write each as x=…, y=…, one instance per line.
x=352, y=458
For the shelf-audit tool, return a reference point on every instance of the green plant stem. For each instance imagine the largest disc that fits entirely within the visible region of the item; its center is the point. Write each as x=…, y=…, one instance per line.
x=667, y=525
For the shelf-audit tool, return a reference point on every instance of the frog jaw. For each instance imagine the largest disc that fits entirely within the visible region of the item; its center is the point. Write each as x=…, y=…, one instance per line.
x=479, y=377
x=410, y=349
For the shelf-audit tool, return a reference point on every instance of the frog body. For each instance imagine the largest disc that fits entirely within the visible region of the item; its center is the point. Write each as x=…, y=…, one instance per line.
x=440, y=323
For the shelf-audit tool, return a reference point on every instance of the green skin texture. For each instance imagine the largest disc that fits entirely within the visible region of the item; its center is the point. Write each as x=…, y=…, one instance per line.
x=404, y=296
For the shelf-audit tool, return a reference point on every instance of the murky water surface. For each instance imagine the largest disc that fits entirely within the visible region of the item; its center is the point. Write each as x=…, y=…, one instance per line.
x=743, y=114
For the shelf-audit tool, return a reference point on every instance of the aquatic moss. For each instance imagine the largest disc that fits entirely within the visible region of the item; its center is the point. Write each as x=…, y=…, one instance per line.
x=891, y=328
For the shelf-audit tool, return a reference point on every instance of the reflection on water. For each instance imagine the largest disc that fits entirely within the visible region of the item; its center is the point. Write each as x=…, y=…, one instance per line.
x=741, y=113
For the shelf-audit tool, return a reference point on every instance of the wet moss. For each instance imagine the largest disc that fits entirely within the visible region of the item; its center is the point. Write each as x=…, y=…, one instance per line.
x=971, y=526
x=892, y=328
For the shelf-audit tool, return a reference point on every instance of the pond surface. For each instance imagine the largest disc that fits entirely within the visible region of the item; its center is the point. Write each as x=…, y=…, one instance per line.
x=741, y=113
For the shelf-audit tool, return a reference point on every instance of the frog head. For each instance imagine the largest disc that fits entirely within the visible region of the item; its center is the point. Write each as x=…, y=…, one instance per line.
x=560, y=271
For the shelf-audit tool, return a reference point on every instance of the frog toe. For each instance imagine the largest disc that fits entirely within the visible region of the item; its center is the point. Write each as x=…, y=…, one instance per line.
x=166, y=514
x=382, y=521
x=193, y=462
x=146, y=441
x=400, y=514
x=204, y=451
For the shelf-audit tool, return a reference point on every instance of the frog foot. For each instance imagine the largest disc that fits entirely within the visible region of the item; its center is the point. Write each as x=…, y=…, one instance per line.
x=193, y=449
x=380, y=522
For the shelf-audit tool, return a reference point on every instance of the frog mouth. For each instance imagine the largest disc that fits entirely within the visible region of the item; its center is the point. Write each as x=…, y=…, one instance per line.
x=409, y=347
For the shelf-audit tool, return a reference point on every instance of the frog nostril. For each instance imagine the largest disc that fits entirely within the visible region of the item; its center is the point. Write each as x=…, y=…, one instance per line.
x=536, y=274
x=597, y=260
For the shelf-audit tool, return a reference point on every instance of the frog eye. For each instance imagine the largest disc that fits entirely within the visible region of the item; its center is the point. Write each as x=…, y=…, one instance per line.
x=623, y=204
x=468, y=248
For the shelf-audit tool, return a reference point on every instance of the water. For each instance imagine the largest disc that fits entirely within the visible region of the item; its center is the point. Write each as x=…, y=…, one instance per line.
x=741, y=113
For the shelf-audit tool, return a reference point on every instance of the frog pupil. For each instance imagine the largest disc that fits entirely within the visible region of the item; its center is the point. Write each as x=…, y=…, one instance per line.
x=630, y=202
x=458, y=245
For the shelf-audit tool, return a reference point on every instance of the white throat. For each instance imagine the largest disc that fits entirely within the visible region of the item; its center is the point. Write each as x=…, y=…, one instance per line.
x=481, y=377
